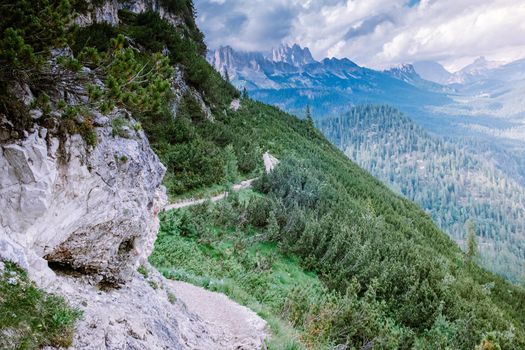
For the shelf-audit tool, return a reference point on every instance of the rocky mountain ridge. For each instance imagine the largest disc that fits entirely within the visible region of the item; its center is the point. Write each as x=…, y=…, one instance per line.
x=325, y=85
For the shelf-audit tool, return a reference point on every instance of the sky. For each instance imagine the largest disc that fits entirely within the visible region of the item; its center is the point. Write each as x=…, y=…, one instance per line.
x=373, y=33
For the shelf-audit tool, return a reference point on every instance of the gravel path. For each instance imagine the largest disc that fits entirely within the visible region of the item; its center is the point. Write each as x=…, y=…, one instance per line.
x=232, y=326
x=191, y=201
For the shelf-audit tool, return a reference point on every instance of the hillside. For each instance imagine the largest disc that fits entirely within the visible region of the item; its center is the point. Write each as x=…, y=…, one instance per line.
x=449, y=181
x=322, y=250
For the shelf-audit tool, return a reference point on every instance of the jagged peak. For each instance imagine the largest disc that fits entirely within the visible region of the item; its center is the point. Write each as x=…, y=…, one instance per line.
x=294, y=55
x=405, y=68
x=339, y=61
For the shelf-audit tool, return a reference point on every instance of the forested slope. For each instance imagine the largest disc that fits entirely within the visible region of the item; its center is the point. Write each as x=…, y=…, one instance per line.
x=416, y=287
x=389, y=278
x=450, y=182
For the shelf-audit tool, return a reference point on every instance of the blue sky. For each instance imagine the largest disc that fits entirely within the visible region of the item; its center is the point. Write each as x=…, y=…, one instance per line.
x=374, y=33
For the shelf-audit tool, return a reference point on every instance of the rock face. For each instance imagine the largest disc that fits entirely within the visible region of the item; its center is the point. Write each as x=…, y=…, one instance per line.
x=295, y=55
x=107, y=12
x=270, y=162
x=143, y=314
x=93, y=211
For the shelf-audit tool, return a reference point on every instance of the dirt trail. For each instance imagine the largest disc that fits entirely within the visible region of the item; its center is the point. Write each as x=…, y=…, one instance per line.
x=231, y=325
x=192, y=201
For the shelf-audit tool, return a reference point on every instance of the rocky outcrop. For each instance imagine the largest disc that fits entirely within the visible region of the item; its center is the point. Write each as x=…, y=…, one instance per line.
x=294, y=55
x=107, y=12
x=143, y=314
x=84, y=210
x=270, y=162
x=90, y=213
x=150, y=312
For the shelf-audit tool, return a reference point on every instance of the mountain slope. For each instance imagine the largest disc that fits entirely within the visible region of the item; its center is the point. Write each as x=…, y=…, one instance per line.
x=387, y=277
x=346, y=225
x=449, y=181
x=432, y=71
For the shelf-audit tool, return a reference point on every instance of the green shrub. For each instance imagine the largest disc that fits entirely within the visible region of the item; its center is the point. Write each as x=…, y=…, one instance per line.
x=143, y=271
x=118, y=125
x=88, y=132
x=172, y=298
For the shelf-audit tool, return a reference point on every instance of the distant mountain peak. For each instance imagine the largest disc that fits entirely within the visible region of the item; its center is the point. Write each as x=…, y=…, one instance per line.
x=405, y=72
x=478, y=69
x=294, y=55
x=404, y=68
x=481, y=63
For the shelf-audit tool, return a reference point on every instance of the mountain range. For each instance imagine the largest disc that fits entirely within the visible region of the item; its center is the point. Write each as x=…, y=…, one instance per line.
x=479, y=89
x=289, y=77
x=483, y=101
x=480, y=69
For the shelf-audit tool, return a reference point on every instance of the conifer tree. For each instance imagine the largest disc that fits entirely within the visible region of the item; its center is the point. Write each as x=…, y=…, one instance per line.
x=472, y=245
x=230, y=166
x=244, y=93
x=308, y=116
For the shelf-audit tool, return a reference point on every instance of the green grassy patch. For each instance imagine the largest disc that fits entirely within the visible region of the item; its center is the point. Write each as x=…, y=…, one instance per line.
x=29, y=317
x=238, y=263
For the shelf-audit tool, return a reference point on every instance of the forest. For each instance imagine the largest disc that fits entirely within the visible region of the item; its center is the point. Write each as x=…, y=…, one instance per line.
x=446, y=178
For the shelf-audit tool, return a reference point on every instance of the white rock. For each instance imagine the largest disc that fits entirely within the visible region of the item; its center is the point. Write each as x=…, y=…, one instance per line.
x=106, y=13
x=81, y=209
x=35, y=113
x=235, y=104
x=12, y=252
x=138, y=316
x=270, y=162
x=99, y=119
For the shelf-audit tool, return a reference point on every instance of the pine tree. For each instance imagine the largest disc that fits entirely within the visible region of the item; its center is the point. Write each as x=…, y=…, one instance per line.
x=272, y=227
x=308, y=116
x=472, y=245
x=226, y=75
x=244, y=94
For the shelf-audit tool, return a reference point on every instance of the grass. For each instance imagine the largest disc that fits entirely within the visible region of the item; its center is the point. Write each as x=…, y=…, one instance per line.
x=238, y=264
x=29, y=317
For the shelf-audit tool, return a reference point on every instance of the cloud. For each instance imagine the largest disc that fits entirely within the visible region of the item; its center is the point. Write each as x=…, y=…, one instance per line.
x=376, y=33
x=367, y=26
x=252, y=25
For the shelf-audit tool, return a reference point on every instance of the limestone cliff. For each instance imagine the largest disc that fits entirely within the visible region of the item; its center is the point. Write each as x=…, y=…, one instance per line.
x=107, y=11
x=89, y=210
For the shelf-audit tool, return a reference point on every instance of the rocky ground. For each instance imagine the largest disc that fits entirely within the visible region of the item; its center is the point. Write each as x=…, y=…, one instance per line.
x=150, y=312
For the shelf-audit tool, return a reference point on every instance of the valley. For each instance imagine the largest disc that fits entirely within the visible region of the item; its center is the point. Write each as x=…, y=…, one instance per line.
x=449, y=180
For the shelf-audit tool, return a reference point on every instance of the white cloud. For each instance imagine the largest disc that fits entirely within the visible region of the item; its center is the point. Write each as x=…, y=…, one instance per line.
x=375, y=33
